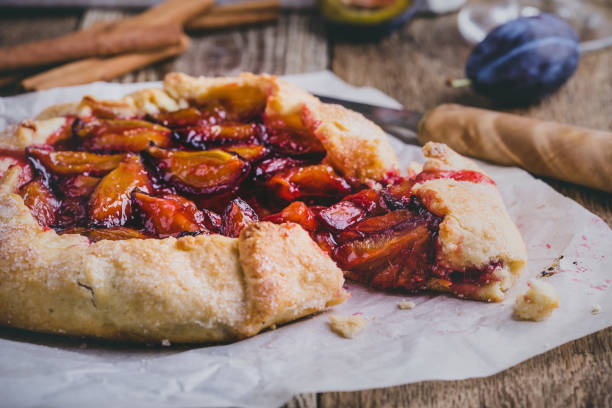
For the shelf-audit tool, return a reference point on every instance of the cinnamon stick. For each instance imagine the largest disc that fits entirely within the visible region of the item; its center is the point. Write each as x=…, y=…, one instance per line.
x=230, y=20
x=246, y=6
x=94, y=69
x=98, y=42
x=101, y=69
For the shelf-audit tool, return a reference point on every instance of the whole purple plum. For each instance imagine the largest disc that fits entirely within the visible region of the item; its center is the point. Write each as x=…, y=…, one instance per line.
x=523, y=60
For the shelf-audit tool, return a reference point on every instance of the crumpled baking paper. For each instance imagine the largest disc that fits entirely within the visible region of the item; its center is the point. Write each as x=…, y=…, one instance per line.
x=442, y=338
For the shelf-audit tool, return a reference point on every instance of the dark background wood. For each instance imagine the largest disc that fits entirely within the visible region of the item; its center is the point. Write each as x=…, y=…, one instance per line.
x=410, y=65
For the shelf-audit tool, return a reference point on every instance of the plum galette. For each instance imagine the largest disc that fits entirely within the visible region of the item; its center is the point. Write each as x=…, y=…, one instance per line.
x=213, y=208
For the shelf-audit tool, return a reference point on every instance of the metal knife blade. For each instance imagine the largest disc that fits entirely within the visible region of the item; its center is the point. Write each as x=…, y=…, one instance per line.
x=401, y=123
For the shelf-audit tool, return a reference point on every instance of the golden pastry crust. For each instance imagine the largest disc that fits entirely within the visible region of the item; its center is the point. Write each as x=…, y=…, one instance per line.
x=192, y=289
x=207, y=288
x=212, y=288
x=476, y=230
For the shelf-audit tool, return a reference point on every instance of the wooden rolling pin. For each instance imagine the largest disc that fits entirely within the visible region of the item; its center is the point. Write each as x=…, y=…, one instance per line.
x=569, y=153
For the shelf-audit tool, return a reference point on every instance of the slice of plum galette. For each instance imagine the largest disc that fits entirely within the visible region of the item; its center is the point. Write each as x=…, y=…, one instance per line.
x=213, y=208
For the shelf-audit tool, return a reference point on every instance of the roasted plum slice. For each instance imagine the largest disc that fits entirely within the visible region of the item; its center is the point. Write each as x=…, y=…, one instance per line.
x=376, y=250
x=41, y=201
x=296, y=212
x=72, y=213
x=179, y=118
x=110, y=205
x=250, y=152
x=212, y=220
x=237, y=102
x=342, y=215
x=393, y=221
x=79, y=186
x=120, y=135
x=203, y=136
x=390, y=251
x=169, y=214
x=293, y=143
x=67, y=163
x=237, y=216
x=266, y=169
x=111, y=234
x=316, y=181
x=398, y=196
x=203, y=172
x=353, y=208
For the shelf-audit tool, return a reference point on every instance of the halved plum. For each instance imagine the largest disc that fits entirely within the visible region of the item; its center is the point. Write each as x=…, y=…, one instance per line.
x=316, y=181
x=169, y=214
x=67, y=163
x=110, y=205
x=41, y=201
x=237, y=216
x=296, y=212
x=120, y=135
x=203, y=136
x=204, y=172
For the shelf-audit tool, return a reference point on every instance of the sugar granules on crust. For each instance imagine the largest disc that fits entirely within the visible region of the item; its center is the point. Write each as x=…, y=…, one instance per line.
x=347, y=326
x=406, y=305
x=537, y=303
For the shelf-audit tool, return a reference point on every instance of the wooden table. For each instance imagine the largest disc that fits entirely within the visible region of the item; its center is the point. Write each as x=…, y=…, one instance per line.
x=411, y=65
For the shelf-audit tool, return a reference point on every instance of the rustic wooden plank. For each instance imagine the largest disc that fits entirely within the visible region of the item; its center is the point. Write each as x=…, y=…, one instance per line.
x=302, y=401
x=22, y=25
x=578, y=374
x=295, y=43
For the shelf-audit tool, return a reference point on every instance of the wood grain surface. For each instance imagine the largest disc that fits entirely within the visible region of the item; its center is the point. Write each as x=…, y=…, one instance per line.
x=410, y=65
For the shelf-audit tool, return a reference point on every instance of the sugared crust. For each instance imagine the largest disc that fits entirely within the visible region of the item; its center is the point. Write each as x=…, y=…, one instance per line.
x=206, y=288
x=476, y=229
x=213, y=288
x=287, y=275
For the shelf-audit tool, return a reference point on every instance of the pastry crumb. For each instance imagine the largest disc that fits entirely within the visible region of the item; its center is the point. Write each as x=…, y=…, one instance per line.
x=537, y=303
x=406, y=305
x=596, y=309
x=347, y=326
x=273, y=327
x=166, y=343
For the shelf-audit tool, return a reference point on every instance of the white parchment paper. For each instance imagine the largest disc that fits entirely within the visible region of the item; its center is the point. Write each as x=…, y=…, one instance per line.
x=441, y=338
